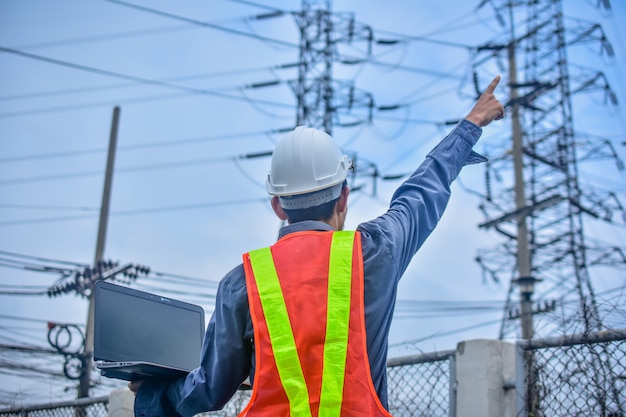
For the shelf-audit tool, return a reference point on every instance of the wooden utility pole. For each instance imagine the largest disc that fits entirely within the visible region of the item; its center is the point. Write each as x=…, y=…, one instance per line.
x=85, y=377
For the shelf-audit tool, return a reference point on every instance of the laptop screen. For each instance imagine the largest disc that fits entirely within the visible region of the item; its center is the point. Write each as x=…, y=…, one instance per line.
x=132, y=325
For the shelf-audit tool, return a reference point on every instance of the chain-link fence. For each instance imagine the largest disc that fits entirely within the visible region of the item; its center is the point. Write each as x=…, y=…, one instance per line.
x=234, y=406
x=420, y=385
x=83, y=407
x=569, y=376
x=575, y=375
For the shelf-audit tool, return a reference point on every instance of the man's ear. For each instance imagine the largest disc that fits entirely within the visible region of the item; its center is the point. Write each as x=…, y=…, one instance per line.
x=278, y=210
x=342, y=203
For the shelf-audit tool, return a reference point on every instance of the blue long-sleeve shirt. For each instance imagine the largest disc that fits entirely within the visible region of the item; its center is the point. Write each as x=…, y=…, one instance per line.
x=389, y=242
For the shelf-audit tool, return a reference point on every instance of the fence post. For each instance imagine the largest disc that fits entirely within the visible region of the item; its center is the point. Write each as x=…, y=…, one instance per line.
x=452, y=386
x=520, y=381
x=485, y=374
x=121, y=403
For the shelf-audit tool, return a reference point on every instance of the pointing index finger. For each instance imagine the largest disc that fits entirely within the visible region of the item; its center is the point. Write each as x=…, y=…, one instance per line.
x=492, y=86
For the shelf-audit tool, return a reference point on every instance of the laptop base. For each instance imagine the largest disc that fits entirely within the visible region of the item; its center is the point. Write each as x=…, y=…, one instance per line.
x=137, y=371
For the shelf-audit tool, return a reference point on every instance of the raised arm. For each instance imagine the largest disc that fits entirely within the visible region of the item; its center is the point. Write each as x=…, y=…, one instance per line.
x=418, y=204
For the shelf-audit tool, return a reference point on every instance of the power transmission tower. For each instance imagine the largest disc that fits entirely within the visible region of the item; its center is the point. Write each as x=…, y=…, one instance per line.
x=323, y=101
x=542, y=215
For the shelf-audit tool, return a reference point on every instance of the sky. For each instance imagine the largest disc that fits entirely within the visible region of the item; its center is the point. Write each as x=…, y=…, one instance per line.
x=189, y=78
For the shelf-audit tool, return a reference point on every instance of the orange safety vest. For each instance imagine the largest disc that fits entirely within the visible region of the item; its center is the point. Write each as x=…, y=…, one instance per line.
x=306, y=302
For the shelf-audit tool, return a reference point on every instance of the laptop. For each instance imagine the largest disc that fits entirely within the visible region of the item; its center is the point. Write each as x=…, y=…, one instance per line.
x=139, y=335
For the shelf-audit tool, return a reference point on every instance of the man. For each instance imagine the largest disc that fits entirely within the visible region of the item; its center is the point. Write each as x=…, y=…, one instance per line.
x=307, y=320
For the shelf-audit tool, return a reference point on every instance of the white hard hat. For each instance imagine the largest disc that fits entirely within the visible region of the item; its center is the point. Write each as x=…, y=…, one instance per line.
x=304, y=161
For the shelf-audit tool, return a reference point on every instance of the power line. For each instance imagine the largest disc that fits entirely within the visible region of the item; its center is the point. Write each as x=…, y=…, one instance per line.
x=192, y=206
x=74, y=41
x=127, y=85
x=446, y=333
x=347, y=61
x=478, y=325
x=47, y=207
x=434, y=303
x=84, y=106
x=165, y=165
x=140, y=80
x=21, y=318
x=423, y=71
x=158, y=276
x=177, y=292
x=138, y=211
x=145, y=145
x=22, y=287
x=40, y=259
x=447, y=27
x=203, y=24
x=33, y=293
x=259, y=5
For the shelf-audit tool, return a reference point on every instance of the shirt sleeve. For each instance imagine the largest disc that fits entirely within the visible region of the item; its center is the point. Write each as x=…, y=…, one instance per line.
x=419, y=202
x=224, y=362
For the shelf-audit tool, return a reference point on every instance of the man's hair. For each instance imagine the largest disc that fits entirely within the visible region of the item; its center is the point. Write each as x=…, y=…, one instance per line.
x=322, y=212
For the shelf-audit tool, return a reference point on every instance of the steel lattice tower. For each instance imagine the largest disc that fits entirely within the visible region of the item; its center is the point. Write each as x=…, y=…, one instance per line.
x=322, y=101
x=541, y=212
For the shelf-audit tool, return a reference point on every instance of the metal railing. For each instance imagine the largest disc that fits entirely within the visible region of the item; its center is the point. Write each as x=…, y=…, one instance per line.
x=82, y=407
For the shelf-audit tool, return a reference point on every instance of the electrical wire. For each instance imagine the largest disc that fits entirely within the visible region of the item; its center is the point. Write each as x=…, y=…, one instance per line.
x=139, y=80
x=29, y=319
x=389, y=66
x=110, y=36
x=97, y=38
x=149, y=167
x=153, y=276
x=440, y=334
x=152, y=210
x=53, y=93
x=33, y=293
x=137, y=146
x=415, y=70
x=201, y=23
x=84, y=106
x=187, y=294
x=40, y=259
x=166, y=277
x=259, y=5
x=47, y=207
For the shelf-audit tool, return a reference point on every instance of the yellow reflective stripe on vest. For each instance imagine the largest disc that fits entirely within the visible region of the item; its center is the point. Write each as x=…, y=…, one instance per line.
x=337, y=324
x=281, y=335
x=337, y=328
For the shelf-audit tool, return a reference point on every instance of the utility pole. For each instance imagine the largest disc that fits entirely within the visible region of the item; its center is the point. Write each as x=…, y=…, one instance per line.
x=85, y=377
x=525, y=280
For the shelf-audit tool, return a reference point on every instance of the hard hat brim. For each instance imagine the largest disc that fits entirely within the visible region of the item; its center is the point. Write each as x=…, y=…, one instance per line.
x=312, y=199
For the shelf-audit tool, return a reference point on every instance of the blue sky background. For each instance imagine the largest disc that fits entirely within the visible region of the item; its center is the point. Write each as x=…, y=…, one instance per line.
x=185, y=204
